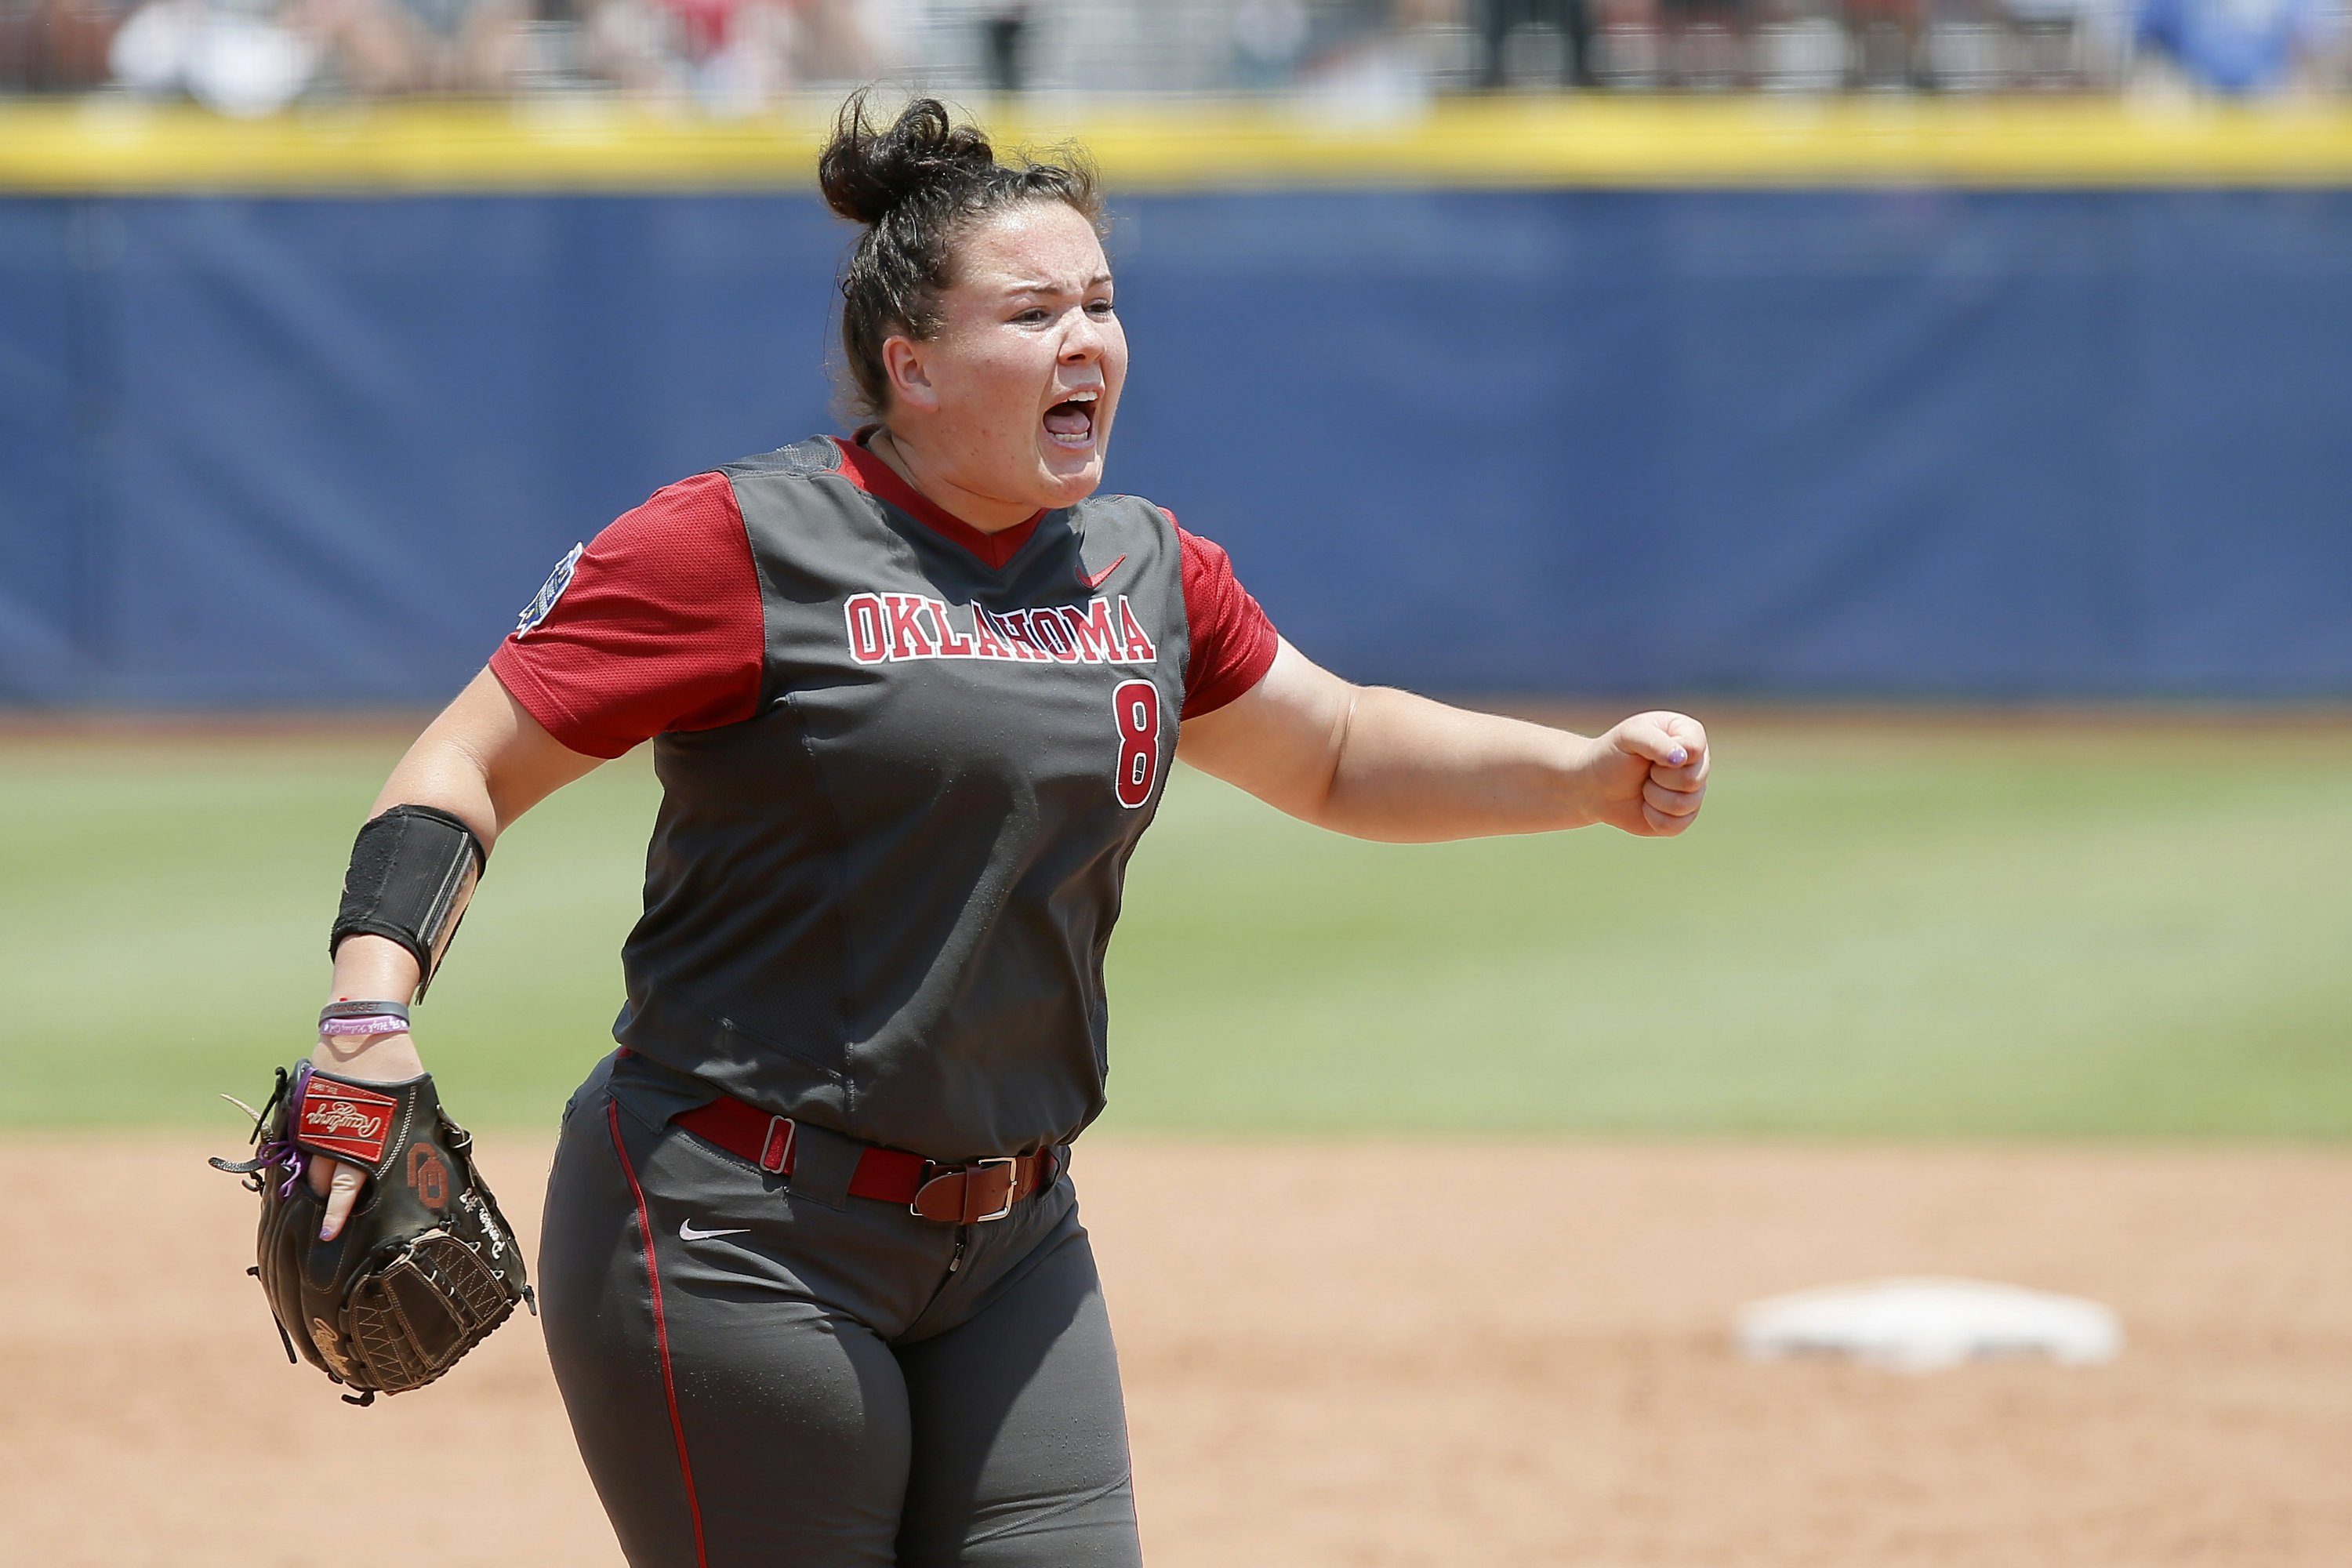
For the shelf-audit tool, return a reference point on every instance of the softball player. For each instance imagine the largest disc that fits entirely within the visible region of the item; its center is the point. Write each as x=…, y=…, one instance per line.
x=815, y=1287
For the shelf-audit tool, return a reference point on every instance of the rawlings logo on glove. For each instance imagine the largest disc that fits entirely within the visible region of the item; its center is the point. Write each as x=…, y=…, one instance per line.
x=344, y=1120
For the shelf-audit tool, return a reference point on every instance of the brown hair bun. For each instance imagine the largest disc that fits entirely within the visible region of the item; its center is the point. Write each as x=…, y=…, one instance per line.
x=865, y=172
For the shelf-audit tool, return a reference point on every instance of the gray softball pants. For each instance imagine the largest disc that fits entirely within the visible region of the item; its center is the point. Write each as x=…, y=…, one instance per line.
x=832, y=1380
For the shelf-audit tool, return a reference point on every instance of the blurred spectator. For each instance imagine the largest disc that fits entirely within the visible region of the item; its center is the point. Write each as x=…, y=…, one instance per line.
x=1800, y=50
x=1886, y=49
x=253, y=56
x=248, y=57
x=1706, y=43
x=1966, y=48
x=731, y=56
x=2069, y=44
x=2242, y=47
x=1003, y=28
x=243, y=58
x=1269, y=42
x=1628, y=45
x=1538, y=43
x=417, y=46
x=54, y=46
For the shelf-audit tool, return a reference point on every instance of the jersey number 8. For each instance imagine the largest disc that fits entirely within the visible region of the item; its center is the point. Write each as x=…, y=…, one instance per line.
x=1136, y=707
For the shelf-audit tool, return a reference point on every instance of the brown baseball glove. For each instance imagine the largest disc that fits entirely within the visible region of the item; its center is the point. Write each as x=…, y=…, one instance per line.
x=425, y=1266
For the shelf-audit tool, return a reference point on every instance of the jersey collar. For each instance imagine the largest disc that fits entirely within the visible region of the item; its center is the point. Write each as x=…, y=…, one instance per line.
x=880, y=480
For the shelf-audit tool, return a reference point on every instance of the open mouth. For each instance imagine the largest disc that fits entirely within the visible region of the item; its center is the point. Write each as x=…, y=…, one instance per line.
x=1071, y=422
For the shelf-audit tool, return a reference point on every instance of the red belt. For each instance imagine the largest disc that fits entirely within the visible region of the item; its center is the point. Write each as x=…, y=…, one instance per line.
x=954, y=1195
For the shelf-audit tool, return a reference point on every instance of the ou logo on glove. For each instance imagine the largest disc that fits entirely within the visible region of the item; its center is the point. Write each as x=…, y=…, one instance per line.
x=428, y=1175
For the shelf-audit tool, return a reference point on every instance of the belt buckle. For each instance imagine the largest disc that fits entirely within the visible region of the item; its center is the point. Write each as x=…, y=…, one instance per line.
x=932, y=1172
x=1011, y=1164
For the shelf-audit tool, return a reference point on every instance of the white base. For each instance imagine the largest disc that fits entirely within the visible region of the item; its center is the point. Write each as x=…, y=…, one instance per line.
x=1923, y=1325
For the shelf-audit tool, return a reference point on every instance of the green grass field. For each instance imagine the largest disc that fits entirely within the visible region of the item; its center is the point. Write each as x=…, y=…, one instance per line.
x=1915, y=931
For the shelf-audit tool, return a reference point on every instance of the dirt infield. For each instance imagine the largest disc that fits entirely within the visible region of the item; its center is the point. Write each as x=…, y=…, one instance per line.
x=1338, y=1354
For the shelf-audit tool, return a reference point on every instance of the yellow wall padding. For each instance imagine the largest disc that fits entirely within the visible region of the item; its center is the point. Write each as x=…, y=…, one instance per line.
x=109, y=145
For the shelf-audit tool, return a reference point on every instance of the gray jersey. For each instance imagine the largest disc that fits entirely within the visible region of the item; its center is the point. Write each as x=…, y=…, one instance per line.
x=879, y=900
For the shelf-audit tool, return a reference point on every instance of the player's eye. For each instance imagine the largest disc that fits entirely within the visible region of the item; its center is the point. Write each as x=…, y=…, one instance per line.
x=1098, y=307
x=1029, y=318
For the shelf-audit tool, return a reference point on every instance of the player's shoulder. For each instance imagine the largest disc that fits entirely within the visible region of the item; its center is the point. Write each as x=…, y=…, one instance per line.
x=818, y=456
x=807, y=490
x=1126, y=513
x=669, y=559
x=699, y=504
x=1113, y=502
x=1151, y=513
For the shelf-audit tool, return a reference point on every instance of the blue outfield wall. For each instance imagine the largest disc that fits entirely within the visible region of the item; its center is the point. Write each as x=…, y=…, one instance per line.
x=1934, y=443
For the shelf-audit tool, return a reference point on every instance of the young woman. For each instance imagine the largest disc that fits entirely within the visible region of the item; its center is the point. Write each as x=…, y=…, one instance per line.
x=816, y=1288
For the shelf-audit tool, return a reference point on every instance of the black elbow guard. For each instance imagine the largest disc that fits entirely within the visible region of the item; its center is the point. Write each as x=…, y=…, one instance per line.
x=413, y=872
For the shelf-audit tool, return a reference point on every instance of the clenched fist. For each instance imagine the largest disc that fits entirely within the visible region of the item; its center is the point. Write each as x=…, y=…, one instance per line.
x=1648, y=775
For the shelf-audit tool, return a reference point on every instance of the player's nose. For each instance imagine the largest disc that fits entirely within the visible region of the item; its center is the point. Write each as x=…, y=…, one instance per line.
x=1082, y=340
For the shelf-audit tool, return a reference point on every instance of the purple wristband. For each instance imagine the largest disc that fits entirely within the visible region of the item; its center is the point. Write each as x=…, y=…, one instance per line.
x=367, y=1023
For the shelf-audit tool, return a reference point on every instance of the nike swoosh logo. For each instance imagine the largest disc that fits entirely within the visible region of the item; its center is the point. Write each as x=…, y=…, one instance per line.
x=1096, y=579
x=685, y=1232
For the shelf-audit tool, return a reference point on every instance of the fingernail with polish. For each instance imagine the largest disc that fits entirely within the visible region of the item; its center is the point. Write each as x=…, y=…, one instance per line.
x=1677, y=757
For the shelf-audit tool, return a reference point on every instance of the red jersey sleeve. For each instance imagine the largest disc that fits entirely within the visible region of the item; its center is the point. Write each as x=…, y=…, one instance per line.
x=659, y=627
x=1233, y=640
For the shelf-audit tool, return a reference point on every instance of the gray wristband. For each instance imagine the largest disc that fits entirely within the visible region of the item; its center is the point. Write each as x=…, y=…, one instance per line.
x=363, y=1010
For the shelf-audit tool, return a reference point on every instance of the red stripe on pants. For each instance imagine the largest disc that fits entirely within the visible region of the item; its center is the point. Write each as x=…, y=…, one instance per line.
x=661, y=1330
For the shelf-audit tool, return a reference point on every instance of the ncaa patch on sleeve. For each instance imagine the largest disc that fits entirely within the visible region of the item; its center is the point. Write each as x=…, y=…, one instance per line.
x=549, y=592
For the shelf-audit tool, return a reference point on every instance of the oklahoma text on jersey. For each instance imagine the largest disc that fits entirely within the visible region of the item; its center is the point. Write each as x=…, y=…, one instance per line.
x=885, y=626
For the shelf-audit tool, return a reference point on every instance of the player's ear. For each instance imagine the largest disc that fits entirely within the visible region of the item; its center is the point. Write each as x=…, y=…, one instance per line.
x=910, y=381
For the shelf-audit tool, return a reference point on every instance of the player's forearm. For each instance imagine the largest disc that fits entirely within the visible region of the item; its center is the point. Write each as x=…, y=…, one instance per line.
x=1409, y=770
x=447, y=767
